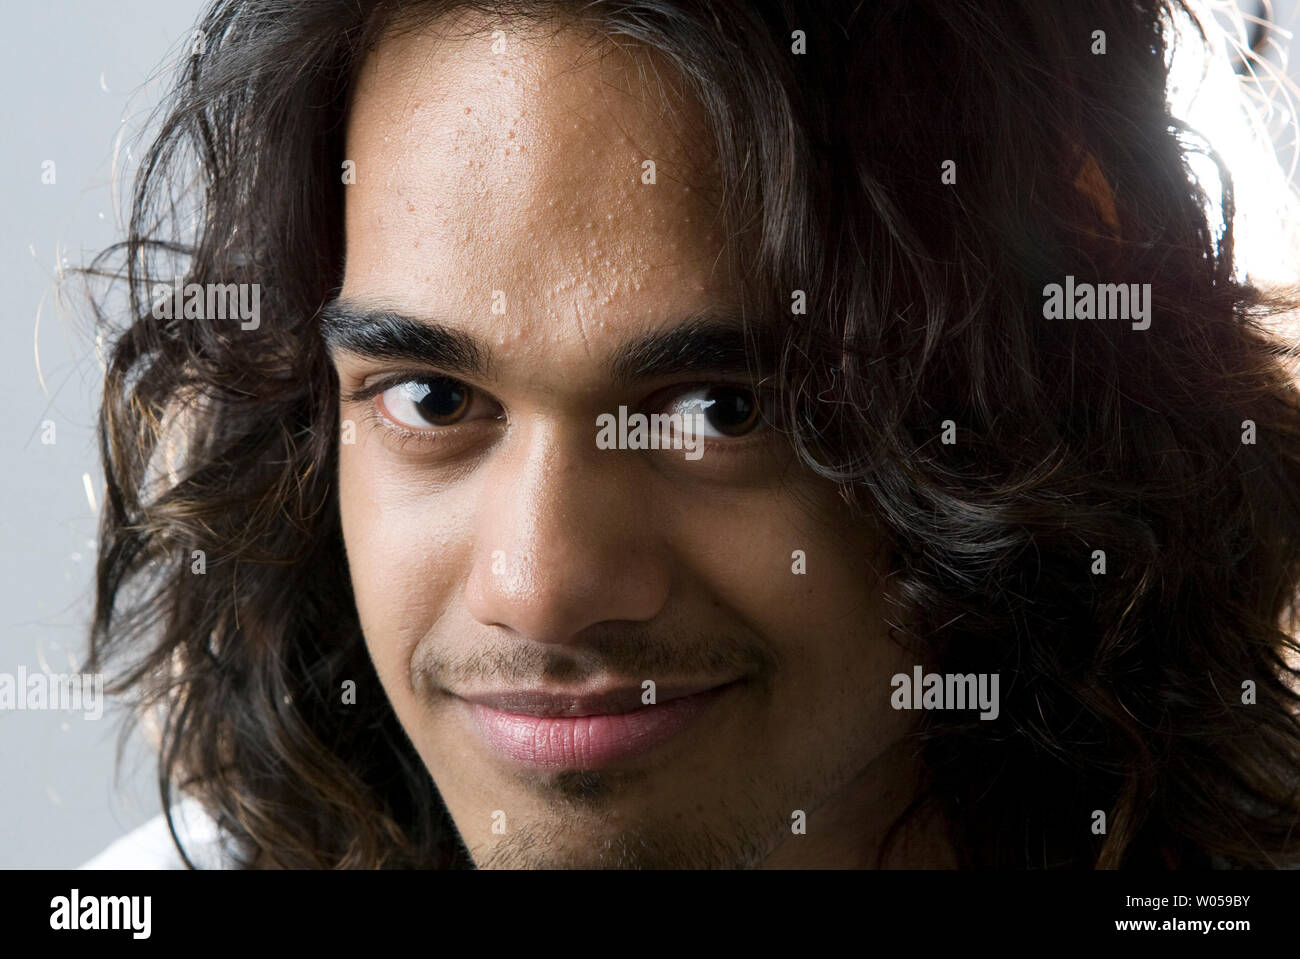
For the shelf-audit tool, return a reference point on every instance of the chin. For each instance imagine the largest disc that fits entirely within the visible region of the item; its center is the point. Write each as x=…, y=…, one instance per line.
x=637, y=847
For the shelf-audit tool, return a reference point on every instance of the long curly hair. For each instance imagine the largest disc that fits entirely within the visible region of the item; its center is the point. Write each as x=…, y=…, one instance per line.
x=224, y=607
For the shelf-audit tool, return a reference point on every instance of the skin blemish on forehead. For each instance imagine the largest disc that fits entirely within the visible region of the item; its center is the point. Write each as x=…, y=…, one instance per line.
x=514, y=144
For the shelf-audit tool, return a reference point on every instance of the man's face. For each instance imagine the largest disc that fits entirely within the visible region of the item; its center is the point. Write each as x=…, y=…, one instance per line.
x=499, y=553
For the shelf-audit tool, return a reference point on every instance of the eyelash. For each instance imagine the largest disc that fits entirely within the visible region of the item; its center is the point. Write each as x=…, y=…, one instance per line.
x=402, y=435
x=364, y=393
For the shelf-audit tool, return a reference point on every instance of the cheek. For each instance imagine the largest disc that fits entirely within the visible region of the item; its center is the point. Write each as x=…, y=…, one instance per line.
x=793, y=571
x=813, y=584
x=406, y=553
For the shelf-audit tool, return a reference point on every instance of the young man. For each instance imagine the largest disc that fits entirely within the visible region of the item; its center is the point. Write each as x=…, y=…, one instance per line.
x=700, y=434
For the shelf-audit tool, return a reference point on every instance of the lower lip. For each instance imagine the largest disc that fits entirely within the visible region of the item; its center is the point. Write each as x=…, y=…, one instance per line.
x=587, y=741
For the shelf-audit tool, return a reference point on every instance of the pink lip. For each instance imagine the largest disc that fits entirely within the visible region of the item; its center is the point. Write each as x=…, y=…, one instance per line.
x=542, y=729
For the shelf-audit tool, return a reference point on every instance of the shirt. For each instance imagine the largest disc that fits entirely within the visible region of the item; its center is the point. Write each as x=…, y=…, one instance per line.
x=150, y=846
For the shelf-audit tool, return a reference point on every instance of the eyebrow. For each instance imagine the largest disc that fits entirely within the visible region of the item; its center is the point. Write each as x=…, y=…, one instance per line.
x=386, y=335
x=703, y=342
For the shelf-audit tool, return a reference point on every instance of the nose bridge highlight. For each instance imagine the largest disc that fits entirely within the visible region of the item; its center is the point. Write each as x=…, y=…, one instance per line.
x=560, y=544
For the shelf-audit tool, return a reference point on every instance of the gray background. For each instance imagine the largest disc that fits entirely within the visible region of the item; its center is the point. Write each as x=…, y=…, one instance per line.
x=72, y=71
x=75, y=76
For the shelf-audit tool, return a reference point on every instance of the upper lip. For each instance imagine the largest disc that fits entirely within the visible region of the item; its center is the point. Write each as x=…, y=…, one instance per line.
x=597, y=702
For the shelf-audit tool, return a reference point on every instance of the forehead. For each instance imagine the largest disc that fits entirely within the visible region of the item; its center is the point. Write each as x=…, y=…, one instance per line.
x=516, y=163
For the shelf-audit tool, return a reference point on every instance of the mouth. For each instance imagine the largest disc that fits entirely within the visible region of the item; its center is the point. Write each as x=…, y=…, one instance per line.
x=589, y=729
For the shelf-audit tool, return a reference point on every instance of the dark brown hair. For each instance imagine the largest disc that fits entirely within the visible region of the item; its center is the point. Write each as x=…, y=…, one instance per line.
x=1121, y=691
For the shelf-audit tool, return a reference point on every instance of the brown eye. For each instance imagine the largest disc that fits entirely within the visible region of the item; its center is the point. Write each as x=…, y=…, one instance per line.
x=728, y=411
x=733, y=412
x=438, y=401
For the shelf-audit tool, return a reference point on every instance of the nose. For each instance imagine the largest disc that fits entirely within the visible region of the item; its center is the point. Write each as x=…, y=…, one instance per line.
x=564, y=539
